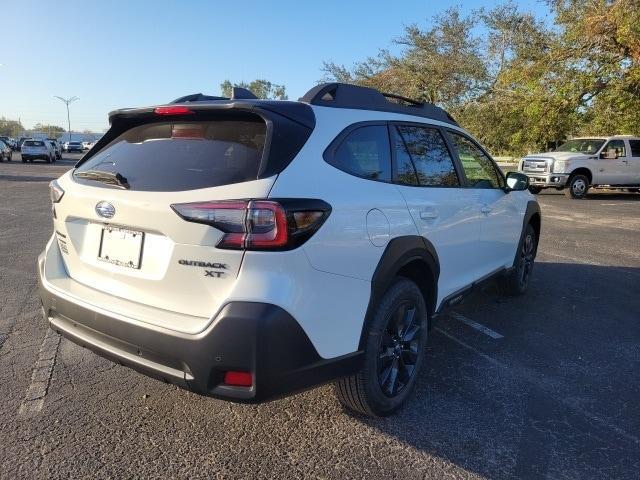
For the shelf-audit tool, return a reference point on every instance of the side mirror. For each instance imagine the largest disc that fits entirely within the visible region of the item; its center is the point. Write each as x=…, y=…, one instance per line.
x=516, y=182
x=610, y=154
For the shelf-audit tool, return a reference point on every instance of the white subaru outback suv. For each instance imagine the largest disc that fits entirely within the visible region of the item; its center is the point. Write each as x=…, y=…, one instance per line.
x=586, y=162
x=247, y=249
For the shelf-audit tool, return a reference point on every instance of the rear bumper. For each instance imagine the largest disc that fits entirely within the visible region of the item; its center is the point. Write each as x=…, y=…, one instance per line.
x=257, y=337
x=35, y=156
x=547, y=179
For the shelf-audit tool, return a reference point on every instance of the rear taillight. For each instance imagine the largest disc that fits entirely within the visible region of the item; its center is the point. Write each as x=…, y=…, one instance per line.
x=281, y=224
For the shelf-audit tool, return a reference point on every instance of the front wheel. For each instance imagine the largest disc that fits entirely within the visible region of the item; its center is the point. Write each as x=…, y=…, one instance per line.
x=517, y=281
x=394, y=349
x=578, y=187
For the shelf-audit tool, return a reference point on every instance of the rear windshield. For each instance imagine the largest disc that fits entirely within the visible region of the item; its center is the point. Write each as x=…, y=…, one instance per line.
x=174, y=156
x=32, y=143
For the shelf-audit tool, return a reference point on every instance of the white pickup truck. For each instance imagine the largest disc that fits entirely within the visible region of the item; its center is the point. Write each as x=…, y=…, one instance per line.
x=583, y=163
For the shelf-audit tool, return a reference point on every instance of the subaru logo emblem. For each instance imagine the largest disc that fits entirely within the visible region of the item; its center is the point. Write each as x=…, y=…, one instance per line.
x=105, y=210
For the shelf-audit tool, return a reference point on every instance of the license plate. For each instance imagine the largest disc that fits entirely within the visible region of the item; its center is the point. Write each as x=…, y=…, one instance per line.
x=121, y=246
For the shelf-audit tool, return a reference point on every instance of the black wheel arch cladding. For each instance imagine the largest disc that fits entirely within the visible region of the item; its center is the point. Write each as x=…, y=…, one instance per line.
x=531, y=216
x=399, y=256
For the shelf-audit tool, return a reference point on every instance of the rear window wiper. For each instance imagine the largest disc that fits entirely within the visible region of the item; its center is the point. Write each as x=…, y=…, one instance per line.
x=110, y=178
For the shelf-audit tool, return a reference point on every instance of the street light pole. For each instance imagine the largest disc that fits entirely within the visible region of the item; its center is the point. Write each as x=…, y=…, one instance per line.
x=67, y=101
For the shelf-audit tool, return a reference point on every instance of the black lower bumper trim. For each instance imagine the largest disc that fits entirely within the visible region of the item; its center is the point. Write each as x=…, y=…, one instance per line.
x=256, y=337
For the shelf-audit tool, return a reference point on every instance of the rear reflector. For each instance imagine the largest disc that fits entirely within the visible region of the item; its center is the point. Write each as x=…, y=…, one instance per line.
x=177, y=110
x=238, y=379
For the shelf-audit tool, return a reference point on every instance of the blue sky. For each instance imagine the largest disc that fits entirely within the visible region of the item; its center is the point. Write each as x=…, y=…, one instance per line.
x=115, y=54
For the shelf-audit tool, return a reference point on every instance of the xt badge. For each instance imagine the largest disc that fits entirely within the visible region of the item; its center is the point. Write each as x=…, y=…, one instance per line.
x=207, y=273
x=213, y=273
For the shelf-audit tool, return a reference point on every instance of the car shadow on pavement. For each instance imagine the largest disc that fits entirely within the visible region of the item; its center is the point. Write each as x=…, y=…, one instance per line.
x=23, y=178
x=556, y=397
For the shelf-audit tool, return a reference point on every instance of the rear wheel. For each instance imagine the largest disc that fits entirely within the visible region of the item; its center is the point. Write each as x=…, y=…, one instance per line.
x=394, y=349
x=535, y=190
x=577, y=187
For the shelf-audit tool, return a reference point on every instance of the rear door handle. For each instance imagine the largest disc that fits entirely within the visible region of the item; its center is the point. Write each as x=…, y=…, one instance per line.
x=429, y=214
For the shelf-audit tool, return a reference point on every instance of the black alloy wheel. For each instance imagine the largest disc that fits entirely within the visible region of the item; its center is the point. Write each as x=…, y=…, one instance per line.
x=399, y=346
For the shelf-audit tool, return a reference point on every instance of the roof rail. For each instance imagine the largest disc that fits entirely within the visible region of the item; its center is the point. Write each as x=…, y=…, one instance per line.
x=345, y=95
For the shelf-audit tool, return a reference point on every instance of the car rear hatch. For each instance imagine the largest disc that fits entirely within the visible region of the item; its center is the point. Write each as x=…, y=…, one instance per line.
x=115, y=224
x=34, y=147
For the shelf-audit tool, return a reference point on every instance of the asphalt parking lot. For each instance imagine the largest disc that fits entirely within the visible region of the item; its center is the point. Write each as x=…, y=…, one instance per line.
x=542, y=386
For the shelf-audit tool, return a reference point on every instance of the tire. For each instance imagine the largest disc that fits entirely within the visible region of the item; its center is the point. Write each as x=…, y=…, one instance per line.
x=48, y=159
x=535, y=190
x=517, y=281
x=24, y=160
x=394, y=351
x=577, y=187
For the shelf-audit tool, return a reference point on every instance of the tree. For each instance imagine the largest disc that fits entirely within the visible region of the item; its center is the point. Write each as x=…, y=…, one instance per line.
x=10, y=128
x=50, y=130
x=260, y=88
x=514, y=83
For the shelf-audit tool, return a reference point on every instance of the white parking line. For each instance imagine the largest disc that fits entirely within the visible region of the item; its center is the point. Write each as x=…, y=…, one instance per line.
x=544, y=385
x=41, y=375
x=481, y=328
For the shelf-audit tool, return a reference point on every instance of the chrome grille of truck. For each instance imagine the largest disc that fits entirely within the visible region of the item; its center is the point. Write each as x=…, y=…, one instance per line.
x=536, y=165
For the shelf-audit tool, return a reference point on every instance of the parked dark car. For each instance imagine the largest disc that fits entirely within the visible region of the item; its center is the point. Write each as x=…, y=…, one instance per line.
x=5, y=152
x=21, y=141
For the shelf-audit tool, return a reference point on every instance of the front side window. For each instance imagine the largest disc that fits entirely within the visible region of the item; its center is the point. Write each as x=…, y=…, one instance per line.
x=365, y=153
x=478, y=168
x=429, y=154
x=617, y=146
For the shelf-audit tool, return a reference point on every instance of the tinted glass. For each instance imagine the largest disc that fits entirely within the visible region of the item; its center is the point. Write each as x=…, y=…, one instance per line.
x=184, y=155
x=430, y=156
x=365, y=153
x=404, y=171
x=618, y=146
x=478, y=168
x=32, y=143
x=635, y=148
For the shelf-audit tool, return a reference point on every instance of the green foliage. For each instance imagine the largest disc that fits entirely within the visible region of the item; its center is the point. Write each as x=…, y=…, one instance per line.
x=514, y=83
x=261, y=89
x=50, y=130
x=10, y=128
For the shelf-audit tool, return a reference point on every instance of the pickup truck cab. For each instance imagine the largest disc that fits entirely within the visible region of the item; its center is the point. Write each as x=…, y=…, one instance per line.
x=586, y=162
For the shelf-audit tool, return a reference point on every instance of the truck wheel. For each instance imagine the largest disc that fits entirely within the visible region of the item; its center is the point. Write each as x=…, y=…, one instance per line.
x=535, y=190
x=517, y=281
x=577, y=187
x=393, y=353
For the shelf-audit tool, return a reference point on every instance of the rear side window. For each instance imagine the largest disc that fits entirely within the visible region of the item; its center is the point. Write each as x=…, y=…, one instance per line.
x=635, y=148
x=184, y=155
x=426, y=149
x=365, y=153
x=478, y=168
